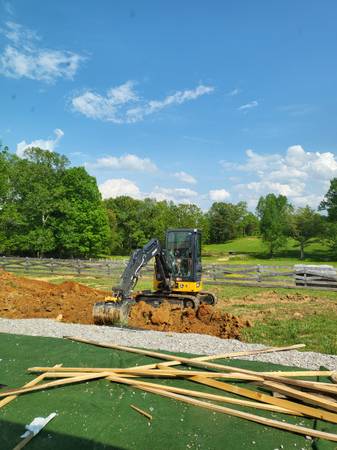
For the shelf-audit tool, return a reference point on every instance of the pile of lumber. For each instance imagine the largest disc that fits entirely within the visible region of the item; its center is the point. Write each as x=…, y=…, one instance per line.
x=286, y=392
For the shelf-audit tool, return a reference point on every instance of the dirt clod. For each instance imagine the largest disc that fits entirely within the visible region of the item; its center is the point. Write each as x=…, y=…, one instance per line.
x=206, y=320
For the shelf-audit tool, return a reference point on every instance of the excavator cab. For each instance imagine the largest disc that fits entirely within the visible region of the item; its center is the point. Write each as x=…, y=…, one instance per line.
x=185, y=247
x=177, y=277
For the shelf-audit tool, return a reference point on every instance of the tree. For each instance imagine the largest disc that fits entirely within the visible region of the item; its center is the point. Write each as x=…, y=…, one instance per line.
x=330, y=235
x=48, y=208
x=250, y=224
x=131, y=234
x=274, y=213
x=37, y=195
x=226, y=221
x=329, y=203
x=81, y=223
x=306, y=224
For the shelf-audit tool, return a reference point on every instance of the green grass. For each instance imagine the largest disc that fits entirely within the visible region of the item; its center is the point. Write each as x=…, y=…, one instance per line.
x=318, y=332
x=251, y=250
x=283, y=316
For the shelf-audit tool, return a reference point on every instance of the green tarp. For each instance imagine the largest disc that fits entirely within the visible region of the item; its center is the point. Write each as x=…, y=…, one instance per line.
x=97, y=414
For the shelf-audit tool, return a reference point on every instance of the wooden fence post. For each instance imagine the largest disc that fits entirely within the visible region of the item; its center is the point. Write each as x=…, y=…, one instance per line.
x=214, y=272
x=78, y=267
x=258, y=269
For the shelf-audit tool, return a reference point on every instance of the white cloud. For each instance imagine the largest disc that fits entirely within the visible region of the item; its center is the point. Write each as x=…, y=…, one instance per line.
x=116, y=187
x=185, y=177
x=302, y=176
x=121, y=104
x=22, y=57
x=176, y=195
x=218, y=195
x=234, y=92
x=126, y=162
x=250, y=105
x=44, y=144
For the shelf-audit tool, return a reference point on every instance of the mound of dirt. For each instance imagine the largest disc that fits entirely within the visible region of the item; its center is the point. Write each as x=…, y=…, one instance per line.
x=23, y=298
x=206, y=320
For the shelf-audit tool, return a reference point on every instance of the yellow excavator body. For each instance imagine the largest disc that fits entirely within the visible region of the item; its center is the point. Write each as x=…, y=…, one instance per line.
x=177, y=277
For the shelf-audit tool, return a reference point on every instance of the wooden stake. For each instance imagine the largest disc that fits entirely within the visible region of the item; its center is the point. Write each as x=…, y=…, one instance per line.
x=141, y=411
x=244, y=415
x=141, y=373
x=24, y=442
x=303, y=396
x=249, y=352
x=52, y=384
x=189, y=361
x=279, y=373
x=287, y=404
x=204, y=395
x=34, y=382
x=312, y=385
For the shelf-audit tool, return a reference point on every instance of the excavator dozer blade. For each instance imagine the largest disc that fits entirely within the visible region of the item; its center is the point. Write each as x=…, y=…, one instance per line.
x=112, y=313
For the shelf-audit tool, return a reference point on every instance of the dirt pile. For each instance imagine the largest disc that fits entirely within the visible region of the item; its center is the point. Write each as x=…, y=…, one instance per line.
x=23, y=298
x=206, y=320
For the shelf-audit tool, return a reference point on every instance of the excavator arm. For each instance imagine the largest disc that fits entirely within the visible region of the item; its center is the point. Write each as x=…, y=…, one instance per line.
x=115, y=309
x=137, y=261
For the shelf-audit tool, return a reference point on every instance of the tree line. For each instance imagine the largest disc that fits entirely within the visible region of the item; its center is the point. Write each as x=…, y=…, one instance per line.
x=48, y=208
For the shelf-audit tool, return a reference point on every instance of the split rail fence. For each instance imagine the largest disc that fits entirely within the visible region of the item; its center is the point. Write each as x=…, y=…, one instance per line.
x=285, y=276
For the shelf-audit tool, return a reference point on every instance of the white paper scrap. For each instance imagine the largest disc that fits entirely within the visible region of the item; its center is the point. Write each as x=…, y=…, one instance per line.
x=37, y=424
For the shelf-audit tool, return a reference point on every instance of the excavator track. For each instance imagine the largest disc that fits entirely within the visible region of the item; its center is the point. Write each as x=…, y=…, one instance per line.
x=207, y=297
x=157, y=298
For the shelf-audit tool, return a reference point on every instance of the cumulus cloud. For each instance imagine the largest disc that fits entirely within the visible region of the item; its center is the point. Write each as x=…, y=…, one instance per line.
x=23, y=57
x=122, y=104
x=44, y=144
x=126, y=162
x=116, y=187
x=250, y=105
x=218, y=195
x=185, y=177
x=177, y=195
x=302, y=176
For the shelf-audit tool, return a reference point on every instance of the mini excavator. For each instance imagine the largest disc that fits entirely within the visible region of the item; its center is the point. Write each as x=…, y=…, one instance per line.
x=177, y=277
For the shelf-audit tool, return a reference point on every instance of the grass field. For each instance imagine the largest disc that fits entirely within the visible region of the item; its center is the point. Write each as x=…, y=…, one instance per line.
x=251, y=250
x=278, y=316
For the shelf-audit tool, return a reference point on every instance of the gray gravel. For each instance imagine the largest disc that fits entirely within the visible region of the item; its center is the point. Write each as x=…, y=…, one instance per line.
x=175, y=342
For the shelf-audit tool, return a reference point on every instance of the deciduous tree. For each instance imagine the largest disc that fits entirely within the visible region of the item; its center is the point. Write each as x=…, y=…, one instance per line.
x=274, y=212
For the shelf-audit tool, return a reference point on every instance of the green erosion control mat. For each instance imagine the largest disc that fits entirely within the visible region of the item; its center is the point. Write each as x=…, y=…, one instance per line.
x=97, y=414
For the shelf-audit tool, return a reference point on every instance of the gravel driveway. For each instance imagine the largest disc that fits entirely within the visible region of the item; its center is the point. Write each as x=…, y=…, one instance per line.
x=174, y=342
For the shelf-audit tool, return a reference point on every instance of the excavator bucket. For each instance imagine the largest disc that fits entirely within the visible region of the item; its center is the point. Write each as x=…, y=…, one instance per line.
x=112, y=313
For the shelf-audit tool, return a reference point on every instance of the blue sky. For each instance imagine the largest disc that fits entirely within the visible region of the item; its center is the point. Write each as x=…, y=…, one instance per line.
x=188, y=101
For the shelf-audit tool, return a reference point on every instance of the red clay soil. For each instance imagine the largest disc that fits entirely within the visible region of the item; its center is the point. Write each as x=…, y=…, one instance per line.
x=23, y=298
x=206, y=320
